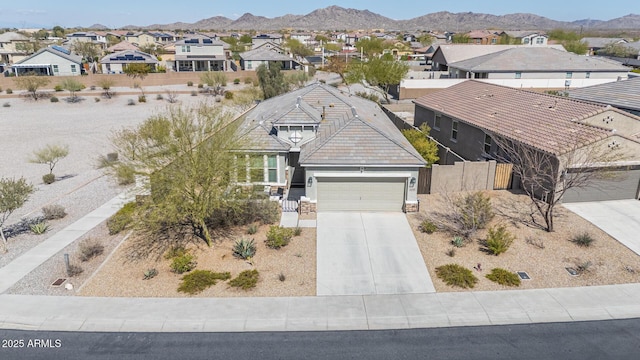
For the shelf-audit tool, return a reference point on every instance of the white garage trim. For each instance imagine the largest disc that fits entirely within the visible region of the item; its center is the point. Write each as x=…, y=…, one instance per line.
x=347, y=193
x=363, y=175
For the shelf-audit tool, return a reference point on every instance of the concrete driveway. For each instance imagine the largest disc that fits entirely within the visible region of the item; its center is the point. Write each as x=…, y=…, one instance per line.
x=618, y=218
x=368, y=253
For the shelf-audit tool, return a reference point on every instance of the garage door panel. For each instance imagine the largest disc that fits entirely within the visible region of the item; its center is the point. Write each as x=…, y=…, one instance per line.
x=347, y=194
x=621, y=186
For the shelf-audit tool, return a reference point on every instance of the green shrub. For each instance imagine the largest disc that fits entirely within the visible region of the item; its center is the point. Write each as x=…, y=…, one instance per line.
x=9, y=91
x=584, y=239
x=228, y=95
x=121, y=219
x=125, y=175
x=89, y=249
x=200, y=280
x=297, y=231
x=150, y=274
x=456, y=275
x=498, y=240
x=246, y=279
x=183, y=263
x=39, y=228
x=474, y=211
x=48, y=179
x=54, y=99
x=504, y=277
x=175, y=251
x=278, y=237
x=253, y=228
x=194, y=93
x=189, y=83
x=58, y=88
x=131, y=102
x=244, y=248
x=236, y=81
x=53, y=212
x=159, y=97
x=200, y=86
x=142, y=98
x=428, y=227
x=248, y=80
x=458, y=241
x=96, y=99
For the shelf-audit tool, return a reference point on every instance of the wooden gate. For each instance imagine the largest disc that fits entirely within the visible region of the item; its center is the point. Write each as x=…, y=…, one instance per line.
x=424, y=181
x=503, y=177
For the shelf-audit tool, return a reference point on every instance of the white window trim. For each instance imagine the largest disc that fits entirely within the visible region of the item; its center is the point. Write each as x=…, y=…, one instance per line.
x=454, y=131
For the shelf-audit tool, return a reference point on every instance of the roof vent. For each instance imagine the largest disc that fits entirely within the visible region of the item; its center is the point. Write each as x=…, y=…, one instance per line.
x=354, y=112
x=298, y=100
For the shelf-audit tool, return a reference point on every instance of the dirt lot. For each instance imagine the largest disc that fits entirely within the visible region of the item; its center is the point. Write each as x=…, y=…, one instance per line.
x=611, y=262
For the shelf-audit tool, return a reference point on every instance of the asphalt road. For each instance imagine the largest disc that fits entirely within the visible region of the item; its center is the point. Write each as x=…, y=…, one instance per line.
x=615, y=339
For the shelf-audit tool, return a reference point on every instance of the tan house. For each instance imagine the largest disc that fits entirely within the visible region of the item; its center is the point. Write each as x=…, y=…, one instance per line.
x=12, y=47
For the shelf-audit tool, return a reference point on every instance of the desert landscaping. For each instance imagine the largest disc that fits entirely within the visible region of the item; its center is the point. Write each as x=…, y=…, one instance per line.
x=289, y=271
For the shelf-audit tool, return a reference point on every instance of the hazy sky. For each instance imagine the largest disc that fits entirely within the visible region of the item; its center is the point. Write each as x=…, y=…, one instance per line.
x=117, y=13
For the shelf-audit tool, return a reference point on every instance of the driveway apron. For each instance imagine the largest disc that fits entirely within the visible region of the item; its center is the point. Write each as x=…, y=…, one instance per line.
x=368, y=253
x=618, y=218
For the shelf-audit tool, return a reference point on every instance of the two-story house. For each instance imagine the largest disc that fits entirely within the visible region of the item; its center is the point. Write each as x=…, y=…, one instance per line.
x=13, y=47
x=201, y=53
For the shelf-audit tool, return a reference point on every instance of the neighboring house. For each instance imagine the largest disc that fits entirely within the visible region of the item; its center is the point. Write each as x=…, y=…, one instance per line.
x=483, y=37
x=528, y=37
x=624, y=95
x=115, y=63
x=261, y=39
x=140, y=38
x=121, y=46
x=54, y=60
x=163, y=37
x=92, y=37
x=265, y=54
x=12, y=47
x=524, y=62
x=597, y=43
x=467, y=117
x=341, y=151
x=305, y=38
x=450, y=53
x=201, y=53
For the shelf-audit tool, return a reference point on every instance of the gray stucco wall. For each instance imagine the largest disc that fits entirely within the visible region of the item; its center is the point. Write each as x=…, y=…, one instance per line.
x=470, y=141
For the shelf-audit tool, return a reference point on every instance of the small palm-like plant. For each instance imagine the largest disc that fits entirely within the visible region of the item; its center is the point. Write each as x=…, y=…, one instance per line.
x=39, y=228
x=244, y=248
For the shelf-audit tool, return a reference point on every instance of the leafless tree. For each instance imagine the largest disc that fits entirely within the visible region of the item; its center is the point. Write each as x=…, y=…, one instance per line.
x=546, y=177
x=172, y=96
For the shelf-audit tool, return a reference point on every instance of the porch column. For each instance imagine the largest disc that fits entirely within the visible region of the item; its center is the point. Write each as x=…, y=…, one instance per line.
x=193, y=65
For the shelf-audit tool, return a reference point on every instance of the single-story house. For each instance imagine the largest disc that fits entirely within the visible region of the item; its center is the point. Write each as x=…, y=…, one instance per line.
x=54, y=60
x=467, y=117
x=266, y=54
x=483, y=37
x=451, y=53
x=115, y=63
x=597, y=43
x=624, y=95
x=121, y=46
x=341, y=151
x=527, y=37
x=524, y=62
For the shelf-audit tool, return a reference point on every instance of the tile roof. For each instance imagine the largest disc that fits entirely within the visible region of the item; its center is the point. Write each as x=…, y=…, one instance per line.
x=129, y=56
x=122, y=45
x=264, y=54
x=458, y=52
x=351, y=131
x=546, y=122
x=623, y=94
x=596, y=42
x=12, y=36
x=71, y=56
x=527, y=59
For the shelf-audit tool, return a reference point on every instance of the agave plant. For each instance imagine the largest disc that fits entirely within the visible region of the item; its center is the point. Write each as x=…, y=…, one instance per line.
x=39, y=228
x=244, y=248
x=458, y=241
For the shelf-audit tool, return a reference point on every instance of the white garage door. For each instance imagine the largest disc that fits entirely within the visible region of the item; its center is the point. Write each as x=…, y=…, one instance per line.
x=623, y=185
x=361, y=194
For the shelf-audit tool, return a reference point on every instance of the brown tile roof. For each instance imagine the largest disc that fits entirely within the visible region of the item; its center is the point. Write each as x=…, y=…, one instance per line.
x=546, y=122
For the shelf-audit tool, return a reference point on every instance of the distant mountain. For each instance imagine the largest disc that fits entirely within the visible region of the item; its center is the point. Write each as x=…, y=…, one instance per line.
x=97, y=27
x=338, y=18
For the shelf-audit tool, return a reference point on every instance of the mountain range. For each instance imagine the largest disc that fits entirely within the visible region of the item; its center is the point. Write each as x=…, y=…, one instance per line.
x=339, y=18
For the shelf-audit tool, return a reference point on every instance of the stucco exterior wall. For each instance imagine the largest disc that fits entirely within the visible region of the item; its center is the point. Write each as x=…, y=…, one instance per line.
x=64, y=65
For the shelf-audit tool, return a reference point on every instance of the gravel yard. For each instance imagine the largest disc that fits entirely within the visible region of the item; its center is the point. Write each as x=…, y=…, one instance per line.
x=610, y=261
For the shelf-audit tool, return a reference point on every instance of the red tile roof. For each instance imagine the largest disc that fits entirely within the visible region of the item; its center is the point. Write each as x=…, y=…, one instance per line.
x=546, y=122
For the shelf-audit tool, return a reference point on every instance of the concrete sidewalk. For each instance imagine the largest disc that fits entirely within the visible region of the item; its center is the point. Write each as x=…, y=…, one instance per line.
x=29, y=261
x=319, y=313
